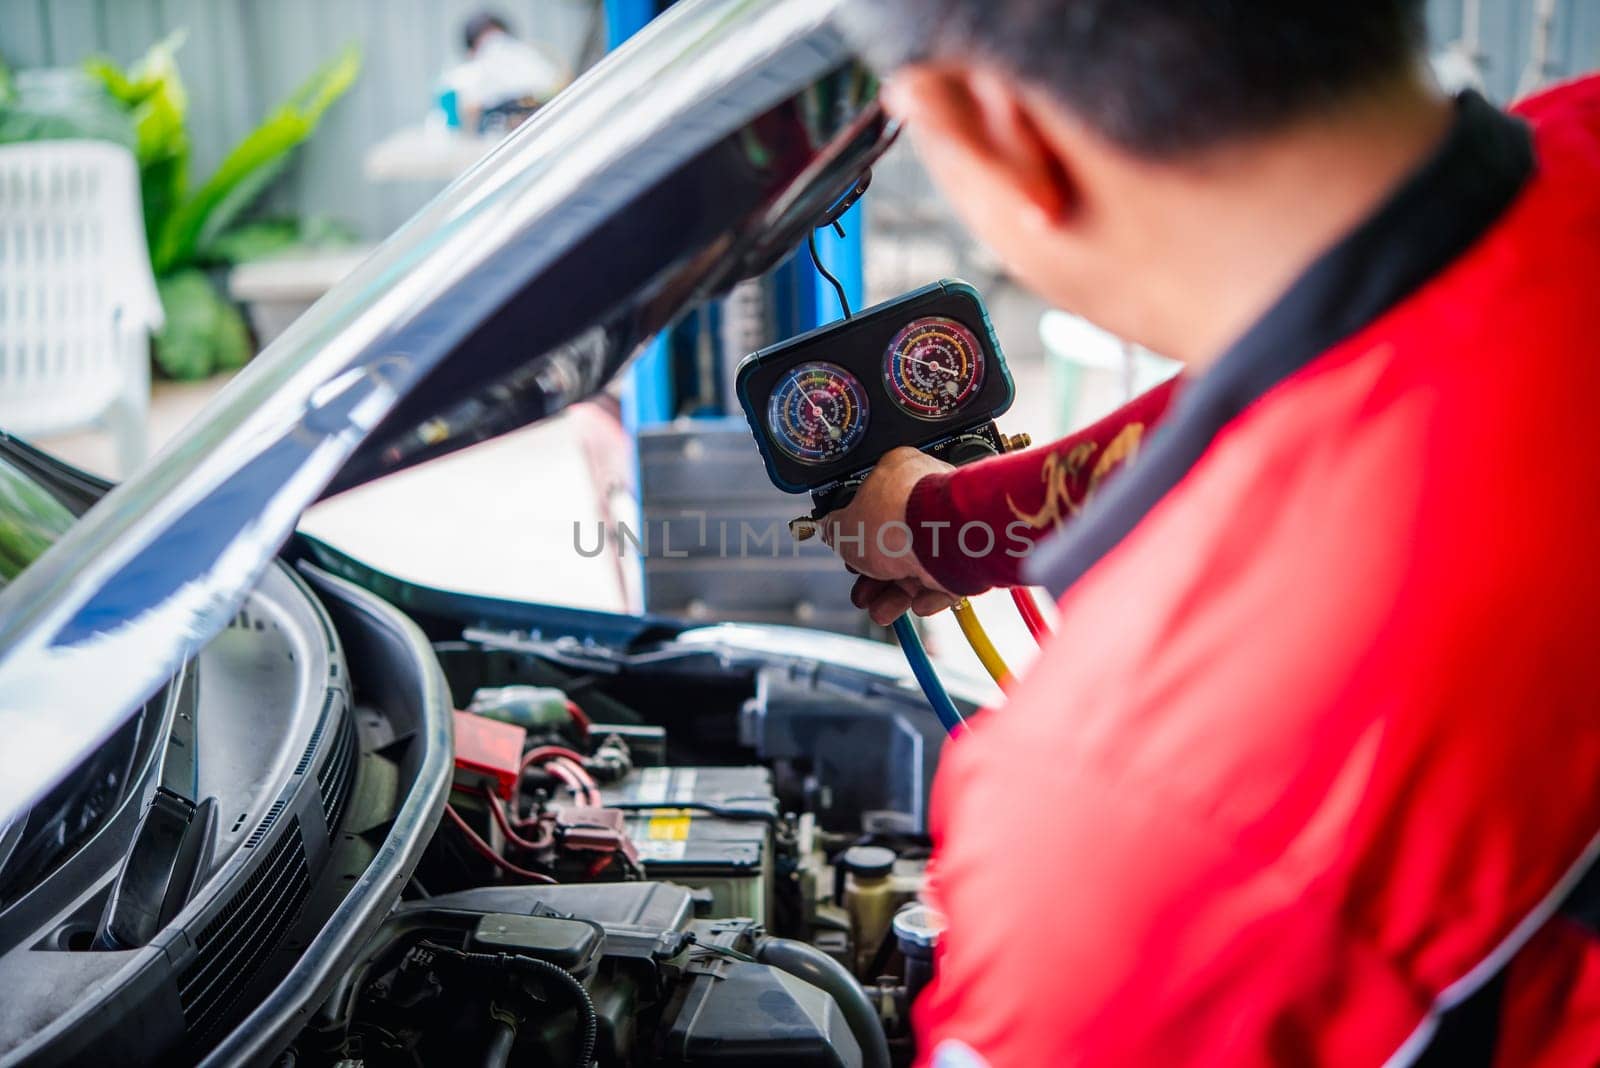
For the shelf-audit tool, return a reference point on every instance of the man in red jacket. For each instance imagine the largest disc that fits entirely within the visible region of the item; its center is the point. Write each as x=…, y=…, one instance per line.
x=1310, y=771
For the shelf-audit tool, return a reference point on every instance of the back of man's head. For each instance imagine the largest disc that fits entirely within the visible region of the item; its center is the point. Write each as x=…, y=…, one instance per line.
x=481, y=25
x=1160, y=77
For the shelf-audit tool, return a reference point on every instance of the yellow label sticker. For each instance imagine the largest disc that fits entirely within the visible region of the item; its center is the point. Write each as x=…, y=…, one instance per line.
x=668, y=825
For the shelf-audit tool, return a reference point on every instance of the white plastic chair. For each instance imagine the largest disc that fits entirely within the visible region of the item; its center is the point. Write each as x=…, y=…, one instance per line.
x=77, y=298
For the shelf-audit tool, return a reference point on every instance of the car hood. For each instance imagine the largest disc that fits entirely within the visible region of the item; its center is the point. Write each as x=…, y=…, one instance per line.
x=699, y=153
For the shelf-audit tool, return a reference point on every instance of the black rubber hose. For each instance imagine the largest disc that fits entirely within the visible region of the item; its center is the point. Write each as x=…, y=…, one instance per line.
x=807, y=962
x=586, y=1013
x=590, y=1020
x=502, y=1036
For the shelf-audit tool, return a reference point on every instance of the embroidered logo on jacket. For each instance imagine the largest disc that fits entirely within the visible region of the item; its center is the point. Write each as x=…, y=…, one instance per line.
x=1061, y=473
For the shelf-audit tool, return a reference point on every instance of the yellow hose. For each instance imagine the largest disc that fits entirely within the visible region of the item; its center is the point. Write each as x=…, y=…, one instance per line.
x=978, y=638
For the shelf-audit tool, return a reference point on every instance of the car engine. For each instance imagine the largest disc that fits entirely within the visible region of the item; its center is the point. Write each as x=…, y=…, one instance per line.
x=677, y=858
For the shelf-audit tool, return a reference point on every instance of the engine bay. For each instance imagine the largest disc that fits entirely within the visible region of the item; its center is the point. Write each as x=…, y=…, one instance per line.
x=689, y=855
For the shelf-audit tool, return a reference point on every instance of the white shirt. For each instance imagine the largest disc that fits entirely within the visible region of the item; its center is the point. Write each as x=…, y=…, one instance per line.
x=504, y=69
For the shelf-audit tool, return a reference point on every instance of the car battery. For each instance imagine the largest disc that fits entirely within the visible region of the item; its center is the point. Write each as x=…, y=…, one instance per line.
x=704, y=827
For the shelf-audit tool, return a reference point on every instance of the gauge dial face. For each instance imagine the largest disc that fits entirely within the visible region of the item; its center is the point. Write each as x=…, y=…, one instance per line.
x=933, y=367
x=818, y=412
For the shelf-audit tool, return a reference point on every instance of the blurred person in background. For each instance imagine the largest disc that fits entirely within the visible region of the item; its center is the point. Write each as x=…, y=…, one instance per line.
x=504, y=79
x=1309, y=772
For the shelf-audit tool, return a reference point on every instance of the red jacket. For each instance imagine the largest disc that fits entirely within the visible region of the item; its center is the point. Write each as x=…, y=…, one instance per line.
x=1315, y=750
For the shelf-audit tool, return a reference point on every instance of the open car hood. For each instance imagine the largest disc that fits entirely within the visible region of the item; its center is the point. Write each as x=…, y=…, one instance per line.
x=698, y=154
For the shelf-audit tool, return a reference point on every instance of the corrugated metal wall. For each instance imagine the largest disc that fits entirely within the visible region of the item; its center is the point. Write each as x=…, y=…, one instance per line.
x=243, y=55
x=1505, y=29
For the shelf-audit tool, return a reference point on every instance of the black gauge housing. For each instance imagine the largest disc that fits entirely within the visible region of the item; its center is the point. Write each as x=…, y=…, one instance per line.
x=859, y=345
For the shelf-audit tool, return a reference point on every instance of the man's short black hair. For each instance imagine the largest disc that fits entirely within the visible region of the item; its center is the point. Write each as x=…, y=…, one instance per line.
x=479, y=26
x=1161, y=77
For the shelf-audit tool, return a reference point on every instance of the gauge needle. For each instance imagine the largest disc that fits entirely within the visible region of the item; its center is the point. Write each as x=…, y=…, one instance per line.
x=816, y=410
x=936, y=366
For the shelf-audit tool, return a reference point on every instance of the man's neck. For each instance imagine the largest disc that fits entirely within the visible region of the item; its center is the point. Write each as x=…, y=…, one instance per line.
x=1217, y=241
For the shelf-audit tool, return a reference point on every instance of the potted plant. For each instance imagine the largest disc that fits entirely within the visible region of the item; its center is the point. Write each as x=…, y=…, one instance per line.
x=191, y=228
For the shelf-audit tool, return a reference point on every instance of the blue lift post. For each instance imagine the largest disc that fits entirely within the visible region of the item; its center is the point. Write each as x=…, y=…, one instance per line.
x=647, y=394
x=802, y=299
x=842, y=257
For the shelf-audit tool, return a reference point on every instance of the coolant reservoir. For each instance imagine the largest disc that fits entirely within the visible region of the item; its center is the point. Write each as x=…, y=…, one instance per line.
x=870, y=899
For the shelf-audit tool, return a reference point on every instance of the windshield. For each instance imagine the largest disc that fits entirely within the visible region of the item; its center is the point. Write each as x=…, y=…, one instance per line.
x=31, y=520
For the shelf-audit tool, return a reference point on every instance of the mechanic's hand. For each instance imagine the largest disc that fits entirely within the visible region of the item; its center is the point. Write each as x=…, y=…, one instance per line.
x=871, y=536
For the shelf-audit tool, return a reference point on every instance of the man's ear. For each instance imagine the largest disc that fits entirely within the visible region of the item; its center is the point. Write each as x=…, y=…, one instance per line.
x=983, y=115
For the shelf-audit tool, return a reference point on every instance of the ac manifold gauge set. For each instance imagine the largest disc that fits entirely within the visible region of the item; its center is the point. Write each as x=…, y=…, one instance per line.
x=923, y=370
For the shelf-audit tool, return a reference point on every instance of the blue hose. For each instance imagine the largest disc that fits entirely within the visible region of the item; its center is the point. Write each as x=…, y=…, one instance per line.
x=927, y=678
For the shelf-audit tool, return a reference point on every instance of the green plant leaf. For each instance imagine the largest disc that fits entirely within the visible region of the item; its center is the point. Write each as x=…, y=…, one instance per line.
x=154, y=72
x=252, y=164
x=152, y=92
x=204, y=332
x=263, y=238
x=252, y=241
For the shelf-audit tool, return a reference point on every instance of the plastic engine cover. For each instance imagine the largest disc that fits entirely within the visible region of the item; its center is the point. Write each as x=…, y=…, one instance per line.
x=735, y=1012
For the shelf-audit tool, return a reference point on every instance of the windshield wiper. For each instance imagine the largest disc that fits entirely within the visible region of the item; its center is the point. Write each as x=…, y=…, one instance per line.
x=169, y=847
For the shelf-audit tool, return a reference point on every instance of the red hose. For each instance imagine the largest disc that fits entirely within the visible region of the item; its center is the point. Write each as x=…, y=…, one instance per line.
x=484, y=850
x=540, y=753
x=590, y=788
x=566, y=765
x=1028, y=608
x=561, y=769
x=580, y=718
x=512, y=836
